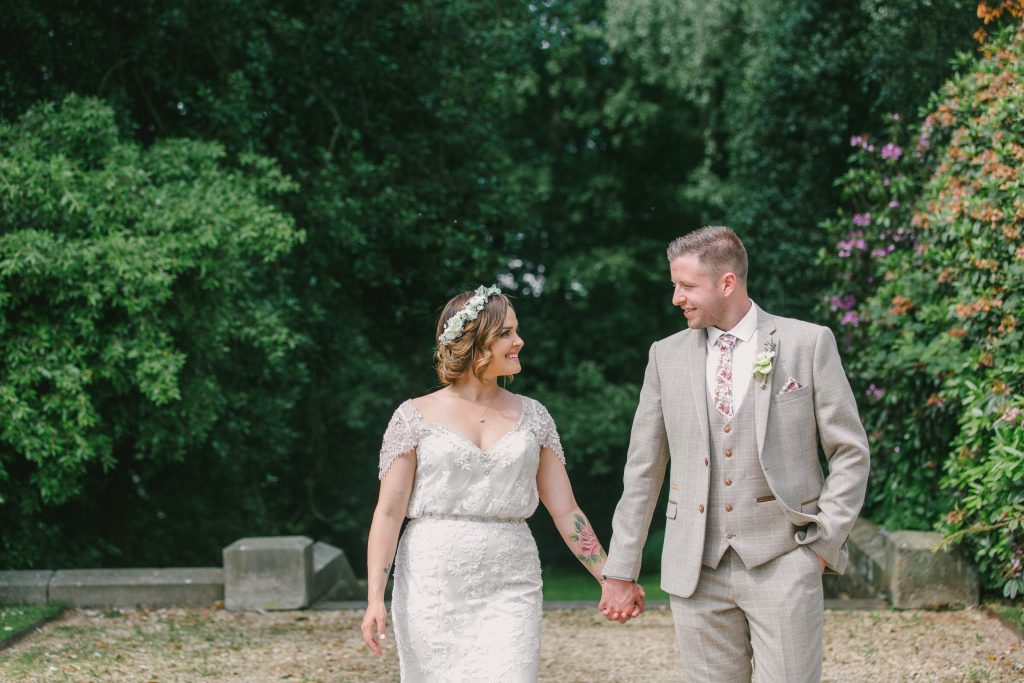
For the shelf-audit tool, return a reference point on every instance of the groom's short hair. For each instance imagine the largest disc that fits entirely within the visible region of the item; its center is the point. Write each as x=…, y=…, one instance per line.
x=715, y=246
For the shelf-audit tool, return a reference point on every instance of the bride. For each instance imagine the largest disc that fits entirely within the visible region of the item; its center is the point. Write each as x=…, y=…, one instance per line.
x=466, y=464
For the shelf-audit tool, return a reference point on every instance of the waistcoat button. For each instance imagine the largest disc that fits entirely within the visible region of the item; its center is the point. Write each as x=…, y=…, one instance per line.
x=700, y=508
x=728, y=507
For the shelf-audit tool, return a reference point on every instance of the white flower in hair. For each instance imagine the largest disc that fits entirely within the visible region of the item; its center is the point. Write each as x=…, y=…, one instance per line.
x=470, y=311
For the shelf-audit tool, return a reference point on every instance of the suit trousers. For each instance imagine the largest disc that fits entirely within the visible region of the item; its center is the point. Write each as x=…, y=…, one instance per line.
x=760, y=624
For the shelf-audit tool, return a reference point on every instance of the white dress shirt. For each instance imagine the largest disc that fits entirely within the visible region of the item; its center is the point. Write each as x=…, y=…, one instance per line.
x=743, y=353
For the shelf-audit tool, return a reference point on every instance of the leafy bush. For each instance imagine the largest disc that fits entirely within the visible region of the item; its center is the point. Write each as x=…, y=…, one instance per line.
x=930, y=274
x=139, y=328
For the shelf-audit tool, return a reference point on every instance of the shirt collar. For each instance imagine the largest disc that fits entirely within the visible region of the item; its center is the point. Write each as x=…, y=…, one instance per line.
x=744, y=330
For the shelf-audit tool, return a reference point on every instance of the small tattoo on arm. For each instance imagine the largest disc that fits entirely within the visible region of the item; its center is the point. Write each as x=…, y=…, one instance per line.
x=589, y=550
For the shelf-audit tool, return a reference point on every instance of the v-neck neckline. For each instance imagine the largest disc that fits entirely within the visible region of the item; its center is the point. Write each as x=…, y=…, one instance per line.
x=515, y=427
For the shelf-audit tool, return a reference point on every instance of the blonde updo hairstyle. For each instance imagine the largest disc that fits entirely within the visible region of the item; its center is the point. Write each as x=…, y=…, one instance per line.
x=471, y=351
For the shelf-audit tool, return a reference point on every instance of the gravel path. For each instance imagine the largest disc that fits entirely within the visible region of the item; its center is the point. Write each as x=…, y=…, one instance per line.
x=216, y=645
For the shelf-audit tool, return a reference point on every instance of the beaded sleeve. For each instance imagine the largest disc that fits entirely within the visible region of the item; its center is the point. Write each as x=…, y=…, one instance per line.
x=547, y=432
x=398, y=440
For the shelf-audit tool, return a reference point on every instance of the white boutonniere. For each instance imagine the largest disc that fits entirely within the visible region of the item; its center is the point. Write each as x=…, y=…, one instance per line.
x=764, y=362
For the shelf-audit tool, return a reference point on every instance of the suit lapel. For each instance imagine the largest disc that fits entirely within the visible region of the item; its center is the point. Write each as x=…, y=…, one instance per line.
x=696, y=352
x=763, y=396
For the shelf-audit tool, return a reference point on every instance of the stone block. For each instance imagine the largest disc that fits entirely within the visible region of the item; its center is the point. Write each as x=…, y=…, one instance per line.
x=867, y=573
x=169, y=587
x=921, y=578
x=26, y=587
x=332, y=574
x=272, y=573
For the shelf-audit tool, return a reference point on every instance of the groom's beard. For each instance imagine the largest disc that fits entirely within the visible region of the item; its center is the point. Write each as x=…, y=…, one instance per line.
x=702, y=318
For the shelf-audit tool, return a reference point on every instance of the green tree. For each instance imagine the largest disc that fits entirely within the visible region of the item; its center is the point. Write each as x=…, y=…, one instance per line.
x=142, y=324
x=780, y=87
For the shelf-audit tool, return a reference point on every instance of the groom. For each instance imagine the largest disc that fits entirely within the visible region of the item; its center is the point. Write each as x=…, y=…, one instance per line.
x=737, y=404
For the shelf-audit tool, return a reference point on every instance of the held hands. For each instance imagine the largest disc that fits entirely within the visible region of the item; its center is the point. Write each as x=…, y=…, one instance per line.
x=621, y=600
x=374, y=621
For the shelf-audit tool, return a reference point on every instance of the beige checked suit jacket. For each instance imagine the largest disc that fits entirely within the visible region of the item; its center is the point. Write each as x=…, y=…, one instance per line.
x=671, y=426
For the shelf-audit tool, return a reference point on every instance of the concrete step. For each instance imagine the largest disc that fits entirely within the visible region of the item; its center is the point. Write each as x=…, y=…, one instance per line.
x=25, y=587
x=175, y=586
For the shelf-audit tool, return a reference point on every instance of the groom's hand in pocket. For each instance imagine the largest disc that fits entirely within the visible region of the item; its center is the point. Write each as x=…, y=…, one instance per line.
x=621, y=600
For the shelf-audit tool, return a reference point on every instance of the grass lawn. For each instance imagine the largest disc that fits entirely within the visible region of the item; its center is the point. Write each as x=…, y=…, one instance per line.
x=16, y=618
x=1010, y=613
x=568, y=583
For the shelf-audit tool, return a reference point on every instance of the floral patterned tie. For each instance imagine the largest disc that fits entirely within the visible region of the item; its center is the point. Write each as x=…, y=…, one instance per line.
x=723, y=375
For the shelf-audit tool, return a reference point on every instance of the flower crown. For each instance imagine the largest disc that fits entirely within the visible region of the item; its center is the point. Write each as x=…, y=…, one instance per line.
x=471, y=309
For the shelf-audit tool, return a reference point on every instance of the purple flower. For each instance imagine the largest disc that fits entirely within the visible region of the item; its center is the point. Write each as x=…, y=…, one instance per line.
x=879, y=252
x=875, y=392
x=862, y=219
x=885, y=181
x=857, y=141
x=850, y=318
x=894, y=204
x=891, y=151
x=843, y=303
x=1011, y=415
x=855, y=241
x=923, y=141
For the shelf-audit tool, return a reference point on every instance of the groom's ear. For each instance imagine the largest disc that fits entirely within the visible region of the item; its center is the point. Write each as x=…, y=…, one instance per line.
x=728, y=283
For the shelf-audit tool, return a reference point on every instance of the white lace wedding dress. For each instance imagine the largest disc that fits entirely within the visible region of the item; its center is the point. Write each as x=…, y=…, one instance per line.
x=466, y=603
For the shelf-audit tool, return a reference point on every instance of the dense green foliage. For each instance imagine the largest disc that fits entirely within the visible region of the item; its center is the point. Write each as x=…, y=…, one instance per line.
x=434, y=145
x=779, y=86
x=141, y=328
x=931, y=275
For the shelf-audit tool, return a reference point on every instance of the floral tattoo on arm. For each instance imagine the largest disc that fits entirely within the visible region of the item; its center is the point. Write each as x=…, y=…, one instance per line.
x=588, y=548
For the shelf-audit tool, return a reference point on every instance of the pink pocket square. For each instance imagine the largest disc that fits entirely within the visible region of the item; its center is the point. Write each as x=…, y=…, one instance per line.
x=791, y=385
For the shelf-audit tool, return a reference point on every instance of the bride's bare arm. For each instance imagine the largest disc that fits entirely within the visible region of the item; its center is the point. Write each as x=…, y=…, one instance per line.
x=392, y=504
x=556, y=494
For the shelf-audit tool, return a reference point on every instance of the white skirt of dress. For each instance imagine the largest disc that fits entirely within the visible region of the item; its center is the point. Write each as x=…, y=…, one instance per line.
x=467, y=601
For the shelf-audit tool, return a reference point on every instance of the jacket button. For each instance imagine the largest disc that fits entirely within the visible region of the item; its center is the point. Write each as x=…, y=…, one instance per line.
x=705, y=461
x=726, y=429
x=728, y=507
x=728, y=454
x=728, y=482
x=700, y=508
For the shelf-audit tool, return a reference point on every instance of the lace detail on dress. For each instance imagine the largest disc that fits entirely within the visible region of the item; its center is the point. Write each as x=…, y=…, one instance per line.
x=399, y=438
x=467, y=602
x=543, y=426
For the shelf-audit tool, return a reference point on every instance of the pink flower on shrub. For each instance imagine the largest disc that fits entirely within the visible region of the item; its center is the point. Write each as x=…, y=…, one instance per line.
x=923, y=141
x=843, y=303
x=886, y=181
x=875, y=392
x=855, y=241
x=894, y=204
x=1012, y=414
x=850, y=318
x=862, y=219
x=892, y=151
x=862, y=142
